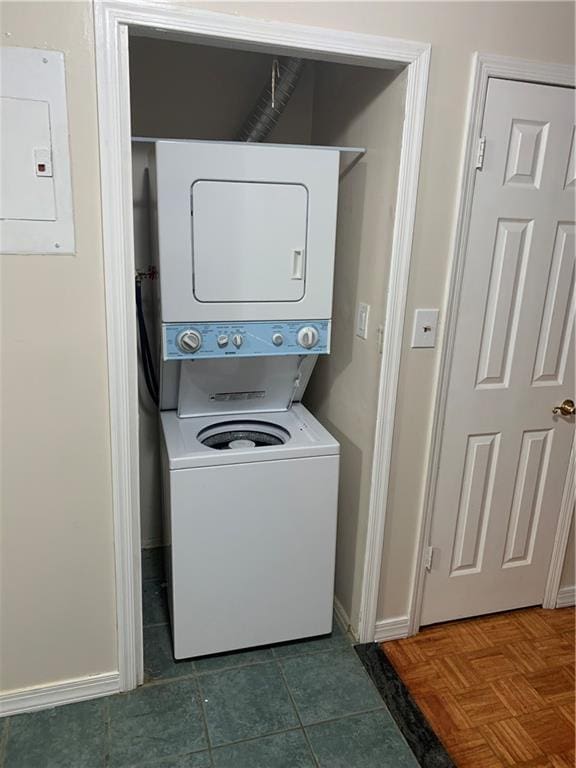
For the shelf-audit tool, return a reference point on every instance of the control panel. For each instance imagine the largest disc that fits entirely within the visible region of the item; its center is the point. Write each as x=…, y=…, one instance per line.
x=202, y=340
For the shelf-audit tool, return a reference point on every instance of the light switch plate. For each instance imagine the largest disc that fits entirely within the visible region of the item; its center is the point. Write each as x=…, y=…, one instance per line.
x=362, y=320
x=424, y=328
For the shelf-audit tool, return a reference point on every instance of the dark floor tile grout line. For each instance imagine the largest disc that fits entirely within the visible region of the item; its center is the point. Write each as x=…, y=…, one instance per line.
x=200, y=694
x=307, y=653
x=314, y=757
x=257, y=738
x=203, y=673
x=382, y=707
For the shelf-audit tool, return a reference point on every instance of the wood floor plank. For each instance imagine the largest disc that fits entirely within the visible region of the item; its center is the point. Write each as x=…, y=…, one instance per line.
x=518, y=695
x=533, y=624
x=469, y=749
x=565, y=760
x=510, y=741
x=454, y=674
x=443, y=713
x=550, y=732
x=492, y=664
x=482, y=705
x=498, y=690
x=553, y=685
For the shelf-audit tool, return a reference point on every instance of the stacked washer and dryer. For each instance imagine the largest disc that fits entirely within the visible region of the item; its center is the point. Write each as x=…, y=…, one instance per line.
x=245, y=248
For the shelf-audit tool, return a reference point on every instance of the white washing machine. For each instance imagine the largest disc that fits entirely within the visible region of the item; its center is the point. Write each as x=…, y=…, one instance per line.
x=250, y=514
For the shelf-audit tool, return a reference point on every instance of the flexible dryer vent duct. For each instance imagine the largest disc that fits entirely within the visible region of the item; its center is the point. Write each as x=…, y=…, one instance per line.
x=264, y=116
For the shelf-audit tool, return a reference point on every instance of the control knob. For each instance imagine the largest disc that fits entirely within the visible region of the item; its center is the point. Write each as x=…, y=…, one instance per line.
x=277, y=339
x=189, y=341
x=308, y=337
x=237, y=340
x=222, y=340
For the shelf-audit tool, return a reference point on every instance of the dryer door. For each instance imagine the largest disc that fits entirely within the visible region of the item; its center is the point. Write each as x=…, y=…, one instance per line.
x=249, y=241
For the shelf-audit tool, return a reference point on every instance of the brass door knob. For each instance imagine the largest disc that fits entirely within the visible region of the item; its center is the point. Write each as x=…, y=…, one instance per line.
x=567, y=408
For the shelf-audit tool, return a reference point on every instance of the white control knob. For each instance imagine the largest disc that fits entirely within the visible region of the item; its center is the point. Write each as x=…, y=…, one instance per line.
x=237, y=340
x=277, y=339
x=308, y=337
x=222, y=340
x=189, y=341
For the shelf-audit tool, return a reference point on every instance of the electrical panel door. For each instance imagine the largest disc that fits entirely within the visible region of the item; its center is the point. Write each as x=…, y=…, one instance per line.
x=248, y=241
x=27, y=188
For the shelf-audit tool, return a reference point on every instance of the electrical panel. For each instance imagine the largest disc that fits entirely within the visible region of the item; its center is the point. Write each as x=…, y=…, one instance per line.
x=36, y=214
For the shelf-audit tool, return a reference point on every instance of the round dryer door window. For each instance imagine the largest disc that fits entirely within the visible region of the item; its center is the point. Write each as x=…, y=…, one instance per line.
x=243, y=435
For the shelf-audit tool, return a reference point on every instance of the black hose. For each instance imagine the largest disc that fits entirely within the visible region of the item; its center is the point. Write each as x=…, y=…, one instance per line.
x=145, y=351
x=264, y=116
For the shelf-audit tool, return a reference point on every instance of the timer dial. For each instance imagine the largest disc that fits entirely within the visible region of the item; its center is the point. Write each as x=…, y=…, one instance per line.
x=189, y=341
x=308, y=336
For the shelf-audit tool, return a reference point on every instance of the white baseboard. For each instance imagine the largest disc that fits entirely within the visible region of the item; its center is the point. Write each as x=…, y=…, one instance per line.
x=57, y=694
x=566, y=597
x=391, y=629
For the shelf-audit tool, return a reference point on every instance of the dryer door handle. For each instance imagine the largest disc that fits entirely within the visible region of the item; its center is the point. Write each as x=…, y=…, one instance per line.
x=298, y=264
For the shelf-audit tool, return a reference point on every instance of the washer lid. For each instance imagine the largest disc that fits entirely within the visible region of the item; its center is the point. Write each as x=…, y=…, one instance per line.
x=239, y=385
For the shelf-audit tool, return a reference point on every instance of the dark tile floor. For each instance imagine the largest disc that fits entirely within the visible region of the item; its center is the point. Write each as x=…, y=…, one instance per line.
x=305, y=704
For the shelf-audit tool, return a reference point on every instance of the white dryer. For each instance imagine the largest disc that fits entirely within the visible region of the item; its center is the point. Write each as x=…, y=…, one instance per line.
x=250, y=514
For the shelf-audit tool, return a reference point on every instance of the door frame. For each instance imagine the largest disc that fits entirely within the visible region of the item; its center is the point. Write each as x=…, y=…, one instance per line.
x=172, y=20
x=484, y=67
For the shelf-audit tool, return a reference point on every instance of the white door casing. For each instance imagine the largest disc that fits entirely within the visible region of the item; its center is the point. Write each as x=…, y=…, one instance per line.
x=113, y=20
x=504, y=455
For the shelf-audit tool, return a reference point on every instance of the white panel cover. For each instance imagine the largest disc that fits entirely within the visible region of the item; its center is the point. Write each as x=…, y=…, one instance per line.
x=249, y=241
x=36, y=210
x=25, y=129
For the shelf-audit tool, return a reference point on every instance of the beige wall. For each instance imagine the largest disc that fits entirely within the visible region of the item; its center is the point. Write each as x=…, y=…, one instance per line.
x=57, y=578
x=185, y=91
x=541, y=31
x=355, y=106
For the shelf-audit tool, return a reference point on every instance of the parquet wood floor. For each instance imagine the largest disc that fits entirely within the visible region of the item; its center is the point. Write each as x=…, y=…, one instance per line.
x=498, y=690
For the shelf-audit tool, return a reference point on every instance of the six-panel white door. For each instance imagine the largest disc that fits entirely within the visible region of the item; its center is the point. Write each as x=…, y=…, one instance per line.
x=504, y=454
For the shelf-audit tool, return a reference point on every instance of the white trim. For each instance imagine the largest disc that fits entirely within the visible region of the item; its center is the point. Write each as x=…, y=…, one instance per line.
x=57, y=694
x=116, y=181
x=175, y=20
x=412, y=136
x=484, y=67
x=551, y=594
x=391, y=629
x=566, y=597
